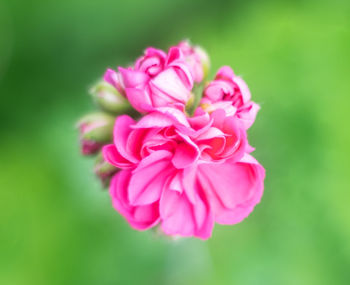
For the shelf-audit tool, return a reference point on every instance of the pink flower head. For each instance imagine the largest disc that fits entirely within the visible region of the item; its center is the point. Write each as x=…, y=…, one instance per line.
x=167, y=168
x=183, y=173
x=197, y=60
x=156, y=80
x=231, y=93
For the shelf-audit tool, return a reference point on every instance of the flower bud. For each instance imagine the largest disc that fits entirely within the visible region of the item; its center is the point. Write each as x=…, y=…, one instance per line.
x=104, y=170
x=204, y=58
x=96, y=129
x=109, y=99
x=196, y=59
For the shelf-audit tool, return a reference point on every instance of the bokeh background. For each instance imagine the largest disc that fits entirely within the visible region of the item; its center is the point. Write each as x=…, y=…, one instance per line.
x=57, y=223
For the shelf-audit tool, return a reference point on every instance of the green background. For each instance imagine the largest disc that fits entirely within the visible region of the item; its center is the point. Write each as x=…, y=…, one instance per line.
x=57, y=224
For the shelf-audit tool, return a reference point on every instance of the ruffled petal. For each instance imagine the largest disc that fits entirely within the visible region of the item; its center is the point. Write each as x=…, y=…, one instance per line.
x=225, y=73
x=186, y=153
x=122, y=129
x=243, y=87
x=174, y=54
x=168, y=86
x=180, y=217
x=139, y=99
x=133, y=78
x=232, y=188
x=163, y=117
x=112, y=156
x=247, y=114
x=148, y=179
x=139, y=217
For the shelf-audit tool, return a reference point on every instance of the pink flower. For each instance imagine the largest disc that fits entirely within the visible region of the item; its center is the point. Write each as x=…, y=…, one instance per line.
x=197, y=60
x=167, y=169
x=156, y=80
x=231, y=93
x=182, y=173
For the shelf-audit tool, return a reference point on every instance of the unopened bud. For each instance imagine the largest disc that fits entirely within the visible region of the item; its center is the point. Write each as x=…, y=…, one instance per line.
x=204, y=58
x=104, y=170
x=109, y=99
x=96, y=129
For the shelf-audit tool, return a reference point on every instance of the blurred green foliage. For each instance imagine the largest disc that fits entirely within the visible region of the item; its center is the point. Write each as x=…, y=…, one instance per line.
x=57, y=225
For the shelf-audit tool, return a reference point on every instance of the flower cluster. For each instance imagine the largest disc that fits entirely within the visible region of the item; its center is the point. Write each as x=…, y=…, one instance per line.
x=166, y=166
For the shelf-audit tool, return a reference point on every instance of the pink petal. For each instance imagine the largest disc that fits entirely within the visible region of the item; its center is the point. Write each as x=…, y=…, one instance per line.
x=152, y=61
x=233, y=189
x=244, y=89
x=188, y=183
x=174, y=54
x=200, y=123
x=176, y=182
x=140, y=217
x=186, y=153
x=112, y=78
x=139, y=99
x=184, y=72
x=217, y=89
x=163, y=117
x=168, y=84
x=154, y=120
x=227, y=106
x=138, y=140
x=249, y=148
x=176, y=115
x=151, y=51
x=225, y=73
x=210, y=134
x=203, y=215
x=122, y=129
x=247, y=114
x=148, y=179
x=176, y=214
x=133, y=78
x=112, y=156
x=180, y=217
x=236, y=141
